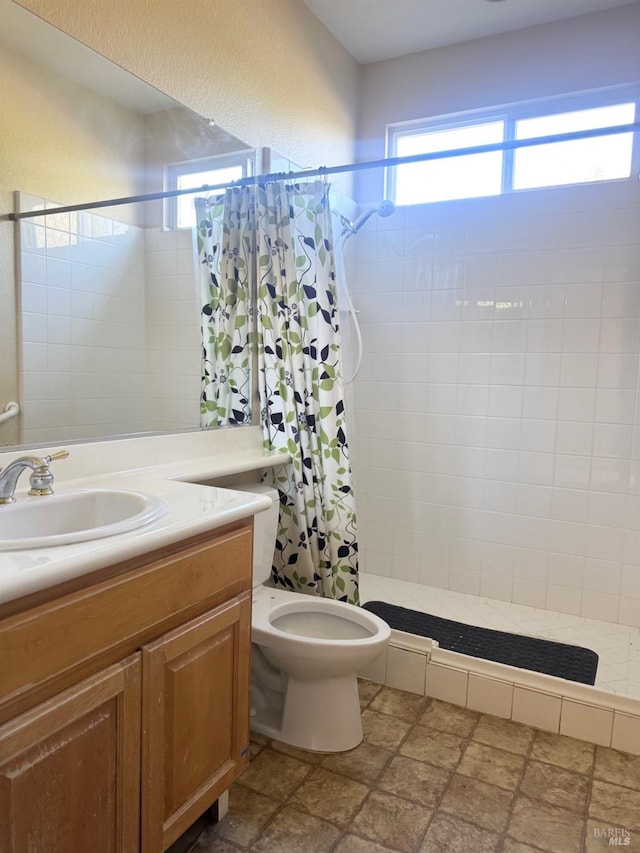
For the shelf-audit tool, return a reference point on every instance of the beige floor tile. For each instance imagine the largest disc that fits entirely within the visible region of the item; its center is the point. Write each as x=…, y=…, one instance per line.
x=383, y=730
x=431, y=777
x=399, y=703
x=456, y=836
x=301, y=754
x=292, y=831
x=414, y=780
x=564, y=751
x=491, y=765
x=504, y=734
x=329, y=796
x=449, y=718
x=478, y=802
x=615, y=804
x=212, y=844
x=556, y=785
x=620, y=768
x=510, y=845
x=391, y=821
x=438, y=748
x=248, y=814
x=364, y=763
x=367, y=690
x=254, y=749
x=546, y=826
x=354, y=844
x=256, y=744
x=274, y=774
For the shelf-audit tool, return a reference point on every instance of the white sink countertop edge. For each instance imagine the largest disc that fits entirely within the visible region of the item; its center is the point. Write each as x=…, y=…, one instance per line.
x=192, y=509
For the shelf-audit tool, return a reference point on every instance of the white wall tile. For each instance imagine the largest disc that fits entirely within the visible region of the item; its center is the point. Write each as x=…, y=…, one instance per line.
x=597, y=605
x=540, y=710
x=626, y=733
x=586, y=722
x=446, y=683
x=406, y=670
x=564, y=599
x=377, y=669
x=511, y=406
x=489, y=696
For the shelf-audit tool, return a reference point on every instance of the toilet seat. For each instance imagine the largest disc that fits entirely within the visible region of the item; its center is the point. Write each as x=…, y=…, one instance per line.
x=315, y=621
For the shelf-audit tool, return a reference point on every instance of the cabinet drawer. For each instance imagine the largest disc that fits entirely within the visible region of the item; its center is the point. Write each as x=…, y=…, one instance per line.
x=43, y=649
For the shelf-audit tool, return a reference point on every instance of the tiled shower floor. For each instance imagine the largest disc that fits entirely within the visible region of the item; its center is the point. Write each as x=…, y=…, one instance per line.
x=618, y=646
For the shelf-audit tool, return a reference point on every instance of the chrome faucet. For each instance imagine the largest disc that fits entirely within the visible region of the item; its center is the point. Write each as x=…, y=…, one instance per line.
x=41, y=478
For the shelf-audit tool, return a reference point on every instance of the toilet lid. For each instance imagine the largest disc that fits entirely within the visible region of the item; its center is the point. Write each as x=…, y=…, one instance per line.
x=323, y=626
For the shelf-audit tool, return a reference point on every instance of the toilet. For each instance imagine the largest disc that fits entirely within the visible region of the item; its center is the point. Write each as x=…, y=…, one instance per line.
x=306, y=653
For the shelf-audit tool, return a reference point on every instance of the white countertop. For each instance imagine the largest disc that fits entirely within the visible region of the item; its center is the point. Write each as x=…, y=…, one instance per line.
x=191, y=509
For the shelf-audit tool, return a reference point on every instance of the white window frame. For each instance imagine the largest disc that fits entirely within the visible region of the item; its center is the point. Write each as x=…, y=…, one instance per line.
x=173, y=171
x=510, y=114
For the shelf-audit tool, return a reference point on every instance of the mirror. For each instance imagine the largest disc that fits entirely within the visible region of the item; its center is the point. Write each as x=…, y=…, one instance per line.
x=100, y=331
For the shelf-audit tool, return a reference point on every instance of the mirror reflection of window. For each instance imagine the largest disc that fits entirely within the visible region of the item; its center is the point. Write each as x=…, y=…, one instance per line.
x=193, y=174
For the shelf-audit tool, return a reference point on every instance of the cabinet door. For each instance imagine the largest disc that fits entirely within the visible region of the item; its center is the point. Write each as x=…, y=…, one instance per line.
x=70, y=769
x=195, y=719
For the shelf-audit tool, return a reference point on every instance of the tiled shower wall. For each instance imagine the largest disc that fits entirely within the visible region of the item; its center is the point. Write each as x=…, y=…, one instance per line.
x=108, y=328
x=495, y=427
x=173, y=348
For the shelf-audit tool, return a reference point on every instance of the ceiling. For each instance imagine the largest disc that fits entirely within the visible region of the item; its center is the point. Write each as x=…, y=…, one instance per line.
x=372, y=30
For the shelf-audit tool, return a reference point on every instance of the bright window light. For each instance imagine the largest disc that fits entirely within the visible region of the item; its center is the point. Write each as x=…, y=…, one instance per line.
x=600, y=158
x=221, y=169
x=186, y=214
x=608, y=157
x=465, y=176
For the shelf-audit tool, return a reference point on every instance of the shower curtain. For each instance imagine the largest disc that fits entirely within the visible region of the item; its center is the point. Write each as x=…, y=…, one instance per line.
x=301, y=392
x=224, y=233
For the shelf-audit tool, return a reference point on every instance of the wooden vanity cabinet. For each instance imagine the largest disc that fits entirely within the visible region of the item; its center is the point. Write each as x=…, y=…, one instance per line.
x=69, y=778
x=195, y=719
x=124, y=702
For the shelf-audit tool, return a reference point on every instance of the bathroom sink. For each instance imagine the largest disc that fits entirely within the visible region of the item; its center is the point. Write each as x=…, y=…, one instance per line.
x=78, y=516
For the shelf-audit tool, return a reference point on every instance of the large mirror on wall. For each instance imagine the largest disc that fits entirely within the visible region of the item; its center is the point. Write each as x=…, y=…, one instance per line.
x=108, y=319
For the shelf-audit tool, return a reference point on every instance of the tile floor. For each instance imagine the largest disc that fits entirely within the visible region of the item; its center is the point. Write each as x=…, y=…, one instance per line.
x=432, y=777
x=617, y=646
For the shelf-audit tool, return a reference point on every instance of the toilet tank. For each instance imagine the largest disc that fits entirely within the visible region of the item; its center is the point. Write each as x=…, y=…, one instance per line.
x=265, y=530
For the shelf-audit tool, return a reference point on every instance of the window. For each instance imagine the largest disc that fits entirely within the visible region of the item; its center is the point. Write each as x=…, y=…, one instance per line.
x=596, y=158
x=211, y=171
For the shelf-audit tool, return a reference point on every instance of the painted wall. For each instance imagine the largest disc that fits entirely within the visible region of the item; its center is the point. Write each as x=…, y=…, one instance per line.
x=496, y=444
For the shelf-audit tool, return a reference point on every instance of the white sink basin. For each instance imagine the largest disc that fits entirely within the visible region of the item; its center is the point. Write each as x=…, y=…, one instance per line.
x=65, y=518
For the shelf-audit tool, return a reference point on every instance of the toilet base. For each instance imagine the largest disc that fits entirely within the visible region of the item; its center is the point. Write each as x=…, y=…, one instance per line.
x=320, y=716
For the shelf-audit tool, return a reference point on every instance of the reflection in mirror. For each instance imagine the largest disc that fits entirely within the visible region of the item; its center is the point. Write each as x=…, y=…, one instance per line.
x=109, y=311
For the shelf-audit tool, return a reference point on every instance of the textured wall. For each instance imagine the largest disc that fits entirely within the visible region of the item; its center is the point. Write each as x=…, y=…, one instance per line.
x=266, y=70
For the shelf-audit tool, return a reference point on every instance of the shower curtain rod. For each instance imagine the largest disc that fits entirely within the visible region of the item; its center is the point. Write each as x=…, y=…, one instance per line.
x=324, y=171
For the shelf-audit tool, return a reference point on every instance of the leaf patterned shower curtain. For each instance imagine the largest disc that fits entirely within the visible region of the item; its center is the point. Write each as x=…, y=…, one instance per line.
x=224, y=234
x=301, y=392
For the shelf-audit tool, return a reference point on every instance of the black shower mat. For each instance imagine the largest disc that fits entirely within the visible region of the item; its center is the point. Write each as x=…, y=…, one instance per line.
x=573, y=663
